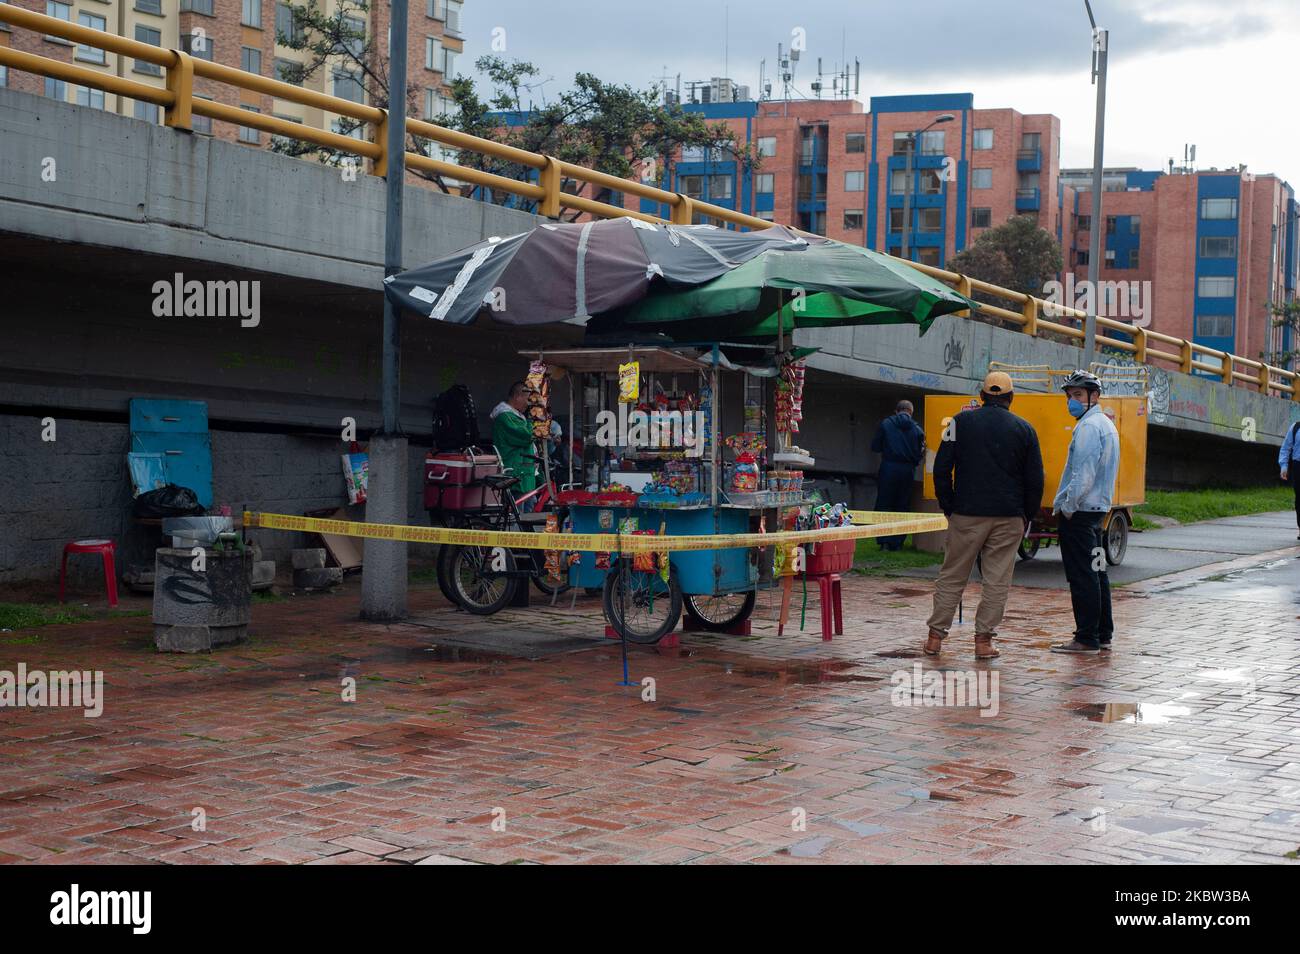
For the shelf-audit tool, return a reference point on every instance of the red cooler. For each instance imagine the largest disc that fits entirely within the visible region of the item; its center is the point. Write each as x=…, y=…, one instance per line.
x=454, y=481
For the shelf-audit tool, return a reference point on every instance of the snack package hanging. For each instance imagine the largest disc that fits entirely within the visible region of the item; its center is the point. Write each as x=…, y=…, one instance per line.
x=539, y=399
x=629, y=382
x=356, y=476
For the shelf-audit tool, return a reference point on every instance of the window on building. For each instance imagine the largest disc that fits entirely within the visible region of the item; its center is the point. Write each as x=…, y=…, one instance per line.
x=348, y=86
x=287, y=71
x=433, y=9
x=86, y=96
x=354, y=36
x=56, y=89
x=1218, y=208
x=146, y=111
x=983, y=139
x=1218, y=246
x=1111, y=223
x=144, y=34
x=1134, y=225
x=981, y=218
x=981, y=178
x=854, y=220
x=853, y=180
x=896, y=219
x=248, y=133
x=60, y=11
x=931, y=183
x=251, y=14
x=250, y=60
x=1214, y=326
x=764, y=183
x=201, y=124
x=692, y=186
x=855, y=142
x=720, y=187
x=199, y=6
x=1027, y=181
x=767, y=215
x=929, y=220
x=901, y=139
x=932, y=143
x=432, y=53
x=766, y=146
x=4, y=76
x=1030, y=141
x=452, y=9
x=149, y=6
x=1085, y=223
x=1081, y=257
x=1216, y=286
x=928, y=255
x=348, y=127
x=286, y=24
x=4, y=28
x=197, y=45
x=449, y=63
x=897, y=181
x=91, y=54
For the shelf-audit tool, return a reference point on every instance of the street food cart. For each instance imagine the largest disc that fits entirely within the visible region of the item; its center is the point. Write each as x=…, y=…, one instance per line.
x=680, y=476
x=1126, y=405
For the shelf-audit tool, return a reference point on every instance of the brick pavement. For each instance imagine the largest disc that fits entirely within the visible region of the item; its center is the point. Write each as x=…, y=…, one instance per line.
x=745, y=737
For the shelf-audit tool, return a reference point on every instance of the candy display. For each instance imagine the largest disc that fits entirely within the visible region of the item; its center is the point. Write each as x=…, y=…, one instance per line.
x=789, y=397
x=539, y=399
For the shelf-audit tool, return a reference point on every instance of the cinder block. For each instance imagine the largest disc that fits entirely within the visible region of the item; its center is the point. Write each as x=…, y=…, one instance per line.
x=319, y=578
x=309, y=559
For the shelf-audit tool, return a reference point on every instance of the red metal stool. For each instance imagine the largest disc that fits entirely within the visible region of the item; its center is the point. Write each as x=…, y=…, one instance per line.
x=106, y=549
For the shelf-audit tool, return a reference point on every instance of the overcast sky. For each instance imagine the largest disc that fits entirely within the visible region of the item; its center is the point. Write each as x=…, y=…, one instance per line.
x=1217, y=74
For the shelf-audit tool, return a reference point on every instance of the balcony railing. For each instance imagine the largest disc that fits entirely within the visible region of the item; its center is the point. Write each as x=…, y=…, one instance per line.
x=1029, y=160
x=180, y=106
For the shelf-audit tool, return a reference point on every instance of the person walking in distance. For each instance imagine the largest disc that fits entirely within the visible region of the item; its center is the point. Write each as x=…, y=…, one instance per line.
x=900, y=442
x=1288, y=461
x=988, y=477
x=1085, y=496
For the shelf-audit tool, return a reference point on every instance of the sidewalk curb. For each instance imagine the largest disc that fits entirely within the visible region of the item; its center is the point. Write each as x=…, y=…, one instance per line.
x=1159, y=584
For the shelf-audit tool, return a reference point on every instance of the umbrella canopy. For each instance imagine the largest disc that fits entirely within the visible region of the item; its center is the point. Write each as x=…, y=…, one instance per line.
x=563, y=271
x=827, y=284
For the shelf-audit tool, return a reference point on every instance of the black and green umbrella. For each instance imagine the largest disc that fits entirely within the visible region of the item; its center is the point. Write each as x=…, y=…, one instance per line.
x=826, y=284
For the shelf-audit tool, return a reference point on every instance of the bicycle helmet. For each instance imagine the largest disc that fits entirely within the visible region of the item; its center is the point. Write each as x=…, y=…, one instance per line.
x=1082, y=379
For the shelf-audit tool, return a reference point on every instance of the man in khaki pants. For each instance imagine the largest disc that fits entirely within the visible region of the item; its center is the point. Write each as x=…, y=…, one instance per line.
x=997, y=489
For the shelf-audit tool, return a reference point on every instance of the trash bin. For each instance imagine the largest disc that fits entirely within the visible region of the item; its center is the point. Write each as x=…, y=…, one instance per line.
x=195, y=610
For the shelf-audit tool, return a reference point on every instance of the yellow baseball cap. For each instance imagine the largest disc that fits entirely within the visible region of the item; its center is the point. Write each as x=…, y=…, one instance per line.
x=998, y=382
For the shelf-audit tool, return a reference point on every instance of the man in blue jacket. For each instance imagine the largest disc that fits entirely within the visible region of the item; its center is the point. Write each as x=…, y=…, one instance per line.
x=1288, y=462
x=900, y=442
x=1085, y=496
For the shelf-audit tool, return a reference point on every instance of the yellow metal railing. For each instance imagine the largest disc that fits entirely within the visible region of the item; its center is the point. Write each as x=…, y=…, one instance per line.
x=179, y=105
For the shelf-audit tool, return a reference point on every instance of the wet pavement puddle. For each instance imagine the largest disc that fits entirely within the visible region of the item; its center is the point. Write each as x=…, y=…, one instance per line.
x=1131, y=713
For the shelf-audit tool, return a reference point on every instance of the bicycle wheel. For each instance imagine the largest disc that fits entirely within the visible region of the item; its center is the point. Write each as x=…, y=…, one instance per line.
x=652, y=606
x=477, y=586
x=721, y=612
x=446, y=551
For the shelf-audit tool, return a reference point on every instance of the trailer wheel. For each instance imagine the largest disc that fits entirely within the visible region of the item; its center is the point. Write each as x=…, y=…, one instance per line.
x=1029, y=548
x=653, y=607
x=719, y=613
x=1116, y=538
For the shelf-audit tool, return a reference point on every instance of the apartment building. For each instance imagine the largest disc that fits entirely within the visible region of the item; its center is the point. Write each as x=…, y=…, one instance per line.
x=242, y=34
x=837, y=169
x=1211, y=250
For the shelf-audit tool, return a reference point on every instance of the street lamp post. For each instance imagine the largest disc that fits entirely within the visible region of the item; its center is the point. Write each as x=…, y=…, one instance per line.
x=912, y=139
x=1100, y=40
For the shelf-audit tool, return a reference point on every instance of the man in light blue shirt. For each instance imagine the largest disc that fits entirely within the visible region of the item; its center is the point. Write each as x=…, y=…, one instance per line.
x=1288, y=462
x=1086, y=492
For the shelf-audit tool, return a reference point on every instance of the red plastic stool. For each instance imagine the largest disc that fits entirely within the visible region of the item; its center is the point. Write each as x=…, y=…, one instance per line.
x=832, y=610
x=107, y=549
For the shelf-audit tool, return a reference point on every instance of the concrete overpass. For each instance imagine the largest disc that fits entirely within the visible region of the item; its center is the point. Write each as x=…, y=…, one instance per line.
x=96, y=208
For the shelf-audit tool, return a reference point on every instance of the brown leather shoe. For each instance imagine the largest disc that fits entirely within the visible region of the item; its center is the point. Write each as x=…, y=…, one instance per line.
x=984, y=646
x=934, y=643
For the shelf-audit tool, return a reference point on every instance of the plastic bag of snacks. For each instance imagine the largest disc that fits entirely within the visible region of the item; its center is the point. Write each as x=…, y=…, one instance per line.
x=629, y=382
x=539, y=399
x=553, y=556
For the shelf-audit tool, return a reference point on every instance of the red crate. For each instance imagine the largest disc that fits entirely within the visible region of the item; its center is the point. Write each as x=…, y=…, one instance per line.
x=455, y=481
x=830, y=556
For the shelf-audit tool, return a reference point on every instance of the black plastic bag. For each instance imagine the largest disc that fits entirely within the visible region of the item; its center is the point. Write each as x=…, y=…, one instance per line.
x=169, y=501
x=455, y=423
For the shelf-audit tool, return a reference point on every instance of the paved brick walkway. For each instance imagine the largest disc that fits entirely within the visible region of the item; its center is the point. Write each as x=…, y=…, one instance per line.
x=1201, y=761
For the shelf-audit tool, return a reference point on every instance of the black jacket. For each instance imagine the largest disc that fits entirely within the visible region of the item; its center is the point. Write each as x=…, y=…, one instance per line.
x=899, y=440
x=998, y=463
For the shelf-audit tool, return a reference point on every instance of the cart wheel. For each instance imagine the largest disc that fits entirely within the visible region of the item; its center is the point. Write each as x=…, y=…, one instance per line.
x=719, y=613
x=475, y=586
x=1029, y=548
x=653, y=606
x=447, y=551
x=1116, y=538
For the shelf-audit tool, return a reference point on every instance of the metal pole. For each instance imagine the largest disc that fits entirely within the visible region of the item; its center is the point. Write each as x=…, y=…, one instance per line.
x=396, y=150
x=1099, y=43
x=907, y=196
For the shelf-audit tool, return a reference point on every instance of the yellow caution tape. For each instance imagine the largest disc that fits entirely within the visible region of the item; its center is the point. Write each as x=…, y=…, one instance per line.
x=874, y=524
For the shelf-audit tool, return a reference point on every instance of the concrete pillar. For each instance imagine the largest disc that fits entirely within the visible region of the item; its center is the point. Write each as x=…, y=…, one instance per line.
x=383, y=572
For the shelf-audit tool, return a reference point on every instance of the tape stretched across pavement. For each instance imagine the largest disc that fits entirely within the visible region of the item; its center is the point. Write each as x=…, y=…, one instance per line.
x=873, y=524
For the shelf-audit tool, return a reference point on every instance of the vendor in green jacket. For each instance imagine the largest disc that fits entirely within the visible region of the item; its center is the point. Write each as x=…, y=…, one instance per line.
x=512, y=436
